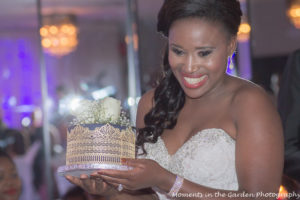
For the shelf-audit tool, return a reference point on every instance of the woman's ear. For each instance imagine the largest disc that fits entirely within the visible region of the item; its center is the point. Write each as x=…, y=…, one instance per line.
x=232, y=45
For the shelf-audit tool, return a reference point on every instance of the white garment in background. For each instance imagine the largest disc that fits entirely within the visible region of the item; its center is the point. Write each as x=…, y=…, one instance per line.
x=207, y=158
x=24, y=165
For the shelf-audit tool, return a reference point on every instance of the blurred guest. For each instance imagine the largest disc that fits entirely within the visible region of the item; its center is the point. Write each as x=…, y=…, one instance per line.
x=289, y=109
x=14, y=142
x=10, y=182
x=23, y=160
x=75, y=193
x=37, y=135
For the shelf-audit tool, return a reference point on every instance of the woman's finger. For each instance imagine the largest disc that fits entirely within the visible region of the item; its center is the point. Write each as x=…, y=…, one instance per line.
x=117, y=187
x=95, y=175
x=112, y=180
x=85, y=180
x=74, y=180
x=116, y=173
x=84, y=176
x=93, y=185
x=132, y=162
x=127, y=184
x=98, y=184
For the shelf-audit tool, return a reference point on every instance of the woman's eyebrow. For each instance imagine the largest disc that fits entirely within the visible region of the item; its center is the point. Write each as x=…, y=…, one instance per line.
x=175, y=45
x=204, y=47
x=197, y=48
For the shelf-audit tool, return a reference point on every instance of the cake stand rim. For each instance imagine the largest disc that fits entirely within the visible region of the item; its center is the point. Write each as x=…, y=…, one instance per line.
x=62, y=170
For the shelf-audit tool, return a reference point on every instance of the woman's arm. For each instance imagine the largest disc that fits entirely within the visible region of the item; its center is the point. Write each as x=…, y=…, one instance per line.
x=260, y=146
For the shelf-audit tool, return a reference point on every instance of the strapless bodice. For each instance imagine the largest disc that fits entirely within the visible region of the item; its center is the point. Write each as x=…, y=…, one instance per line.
x=207, y=158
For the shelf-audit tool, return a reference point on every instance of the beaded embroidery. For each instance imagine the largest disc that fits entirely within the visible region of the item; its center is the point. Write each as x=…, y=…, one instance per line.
x=92, y=144
x=207, y=158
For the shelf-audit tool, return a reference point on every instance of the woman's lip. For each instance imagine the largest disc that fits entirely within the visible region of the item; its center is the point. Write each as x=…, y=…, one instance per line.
x=11, y=191
x=191, y=75
x=195, y=85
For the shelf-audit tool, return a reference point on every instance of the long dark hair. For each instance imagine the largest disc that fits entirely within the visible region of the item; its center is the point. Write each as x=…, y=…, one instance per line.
x=169, y=97
x=4, y=154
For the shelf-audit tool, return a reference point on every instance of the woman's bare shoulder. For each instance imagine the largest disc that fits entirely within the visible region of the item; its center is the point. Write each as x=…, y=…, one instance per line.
x=246, y=93
x=250, y=101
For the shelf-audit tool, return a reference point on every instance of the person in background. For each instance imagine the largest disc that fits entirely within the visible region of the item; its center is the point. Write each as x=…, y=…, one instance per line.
x=289, y=110
x=14, y=142
x=75, y=193
x=10, y=182
x=23, y=160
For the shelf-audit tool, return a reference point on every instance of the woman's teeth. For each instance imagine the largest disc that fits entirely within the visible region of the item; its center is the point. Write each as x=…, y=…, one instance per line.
x=193, y=81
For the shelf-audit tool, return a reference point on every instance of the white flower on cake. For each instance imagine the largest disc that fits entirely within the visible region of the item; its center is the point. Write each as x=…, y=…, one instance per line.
x=107, y=110
x=112, y=108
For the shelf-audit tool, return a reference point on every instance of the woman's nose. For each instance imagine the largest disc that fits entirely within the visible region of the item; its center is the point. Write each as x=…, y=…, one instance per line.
x=190, y=64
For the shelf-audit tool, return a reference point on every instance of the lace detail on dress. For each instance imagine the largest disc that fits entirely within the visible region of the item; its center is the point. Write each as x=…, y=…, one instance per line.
x=207, y=158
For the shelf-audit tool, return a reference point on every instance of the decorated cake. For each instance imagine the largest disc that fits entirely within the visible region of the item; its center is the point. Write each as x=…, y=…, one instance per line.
x=98, y=138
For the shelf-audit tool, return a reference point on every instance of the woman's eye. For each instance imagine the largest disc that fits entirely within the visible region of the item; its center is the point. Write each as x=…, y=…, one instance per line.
x=14, y=175
x=177, y=51
x=204, y=53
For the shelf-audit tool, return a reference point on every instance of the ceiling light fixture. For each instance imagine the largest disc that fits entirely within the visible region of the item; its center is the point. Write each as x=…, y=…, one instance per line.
x=59, y=34
x=293, y=12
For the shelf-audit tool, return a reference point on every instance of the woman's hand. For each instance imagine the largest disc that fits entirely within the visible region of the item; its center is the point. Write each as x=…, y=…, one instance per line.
x=145, y=173
x=93, y=184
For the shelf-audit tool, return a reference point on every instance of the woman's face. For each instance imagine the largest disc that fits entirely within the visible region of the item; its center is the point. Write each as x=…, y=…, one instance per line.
x=198, y=55
x=10, y=183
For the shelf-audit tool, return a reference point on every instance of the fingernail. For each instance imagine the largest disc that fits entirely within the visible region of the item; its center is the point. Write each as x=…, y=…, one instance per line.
x=83, y=176
x=123, y=161
x=94, y=174
x=67, y=176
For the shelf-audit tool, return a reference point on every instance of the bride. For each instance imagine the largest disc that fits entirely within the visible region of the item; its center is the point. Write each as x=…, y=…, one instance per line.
x=201, y=132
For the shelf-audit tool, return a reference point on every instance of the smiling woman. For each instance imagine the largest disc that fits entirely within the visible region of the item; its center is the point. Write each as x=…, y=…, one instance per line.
x=10, y=182
x=201, y=132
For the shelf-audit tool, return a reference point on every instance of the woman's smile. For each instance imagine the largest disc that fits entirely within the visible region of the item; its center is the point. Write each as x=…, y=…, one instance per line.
x=194, y=82
x=11, y=191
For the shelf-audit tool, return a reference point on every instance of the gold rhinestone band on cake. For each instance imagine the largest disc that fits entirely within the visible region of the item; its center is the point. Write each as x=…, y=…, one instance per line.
x=99, y=144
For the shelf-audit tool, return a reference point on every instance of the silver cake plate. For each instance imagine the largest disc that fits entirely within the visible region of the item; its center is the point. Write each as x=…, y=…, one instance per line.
x=77, y=170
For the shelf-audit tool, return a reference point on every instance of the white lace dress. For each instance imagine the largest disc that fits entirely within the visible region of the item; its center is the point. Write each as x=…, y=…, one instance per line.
x=207, y=158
